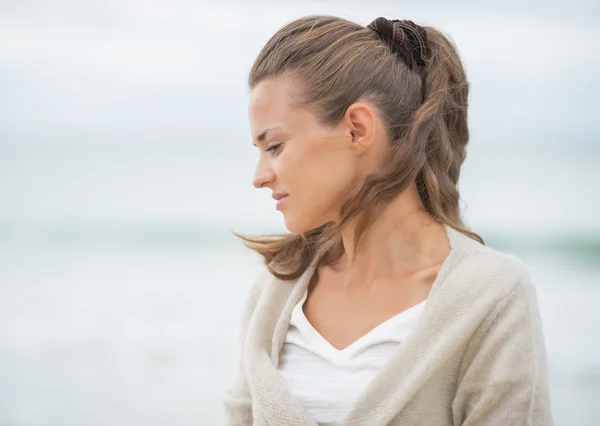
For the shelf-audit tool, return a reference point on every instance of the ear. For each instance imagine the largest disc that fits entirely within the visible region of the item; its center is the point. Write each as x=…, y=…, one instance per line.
x=360, y=120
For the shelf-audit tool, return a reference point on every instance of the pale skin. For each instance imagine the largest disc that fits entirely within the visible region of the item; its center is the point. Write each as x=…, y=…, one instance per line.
x=316, y=165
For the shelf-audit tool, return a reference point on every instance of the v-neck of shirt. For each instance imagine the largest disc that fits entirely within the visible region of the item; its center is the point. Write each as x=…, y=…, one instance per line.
x=395, y=329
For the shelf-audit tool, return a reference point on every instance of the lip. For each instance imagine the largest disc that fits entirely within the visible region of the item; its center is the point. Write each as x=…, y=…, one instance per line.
x=278, y=195
x=281, y=198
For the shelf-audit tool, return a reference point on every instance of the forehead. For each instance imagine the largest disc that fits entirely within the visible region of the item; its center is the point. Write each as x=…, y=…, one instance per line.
x=271, y=102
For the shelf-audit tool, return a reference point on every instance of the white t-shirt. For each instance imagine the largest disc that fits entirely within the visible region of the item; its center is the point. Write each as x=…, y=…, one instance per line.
x=327, y=381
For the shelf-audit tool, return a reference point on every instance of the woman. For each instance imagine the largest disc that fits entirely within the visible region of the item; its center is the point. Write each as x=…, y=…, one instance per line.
x=380, y=307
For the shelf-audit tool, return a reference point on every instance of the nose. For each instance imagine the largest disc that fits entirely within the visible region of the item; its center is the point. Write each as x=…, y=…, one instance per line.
x=263, y=175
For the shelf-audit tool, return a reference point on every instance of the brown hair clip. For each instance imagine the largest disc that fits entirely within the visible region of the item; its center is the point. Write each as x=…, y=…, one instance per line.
x=404, y=38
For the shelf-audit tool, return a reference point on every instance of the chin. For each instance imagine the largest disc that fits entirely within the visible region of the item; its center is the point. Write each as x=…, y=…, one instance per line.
x=295, y=226
x=299, y=225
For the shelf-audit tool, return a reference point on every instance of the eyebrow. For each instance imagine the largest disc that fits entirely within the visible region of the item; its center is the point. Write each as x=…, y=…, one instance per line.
x=263, y=134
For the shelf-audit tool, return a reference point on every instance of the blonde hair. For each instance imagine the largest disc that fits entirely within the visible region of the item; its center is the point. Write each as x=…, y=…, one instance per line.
x=337, y=62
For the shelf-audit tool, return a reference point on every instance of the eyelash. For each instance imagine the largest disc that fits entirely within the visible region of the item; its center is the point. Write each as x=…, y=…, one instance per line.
x=274, y=149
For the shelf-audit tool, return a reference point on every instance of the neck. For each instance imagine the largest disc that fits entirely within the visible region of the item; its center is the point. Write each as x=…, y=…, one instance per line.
x=403, y=239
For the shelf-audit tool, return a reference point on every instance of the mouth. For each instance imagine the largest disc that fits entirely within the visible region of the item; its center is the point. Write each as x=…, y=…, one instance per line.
x=280, y=201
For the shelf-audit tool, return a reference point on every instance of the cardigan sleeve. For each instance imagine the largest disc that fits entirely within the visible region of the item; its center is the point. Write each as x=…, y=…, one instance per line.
x=237, y=398
x=503, y=378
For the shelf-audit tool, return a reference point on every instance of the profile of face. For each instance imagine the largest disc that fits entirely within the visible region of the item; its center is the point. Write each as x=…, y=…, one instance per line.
x=310, y=168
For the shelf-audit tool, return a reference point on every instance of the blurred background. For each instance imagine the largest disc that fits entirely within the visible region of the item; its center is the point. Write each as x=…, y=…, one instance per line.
x=126, y=161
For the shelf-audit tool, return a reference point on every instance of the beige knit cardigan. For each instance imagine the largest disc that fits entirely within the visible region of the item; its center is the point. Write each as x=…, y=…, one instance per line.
x=476, y=357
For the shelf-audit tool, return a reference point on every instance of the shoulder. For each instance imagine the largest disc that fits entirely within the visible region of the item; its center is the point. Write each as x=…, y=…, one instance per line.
x=504, y=269
x=267, y=288
x=262, y=280
x=482, y=273
x=486, y=290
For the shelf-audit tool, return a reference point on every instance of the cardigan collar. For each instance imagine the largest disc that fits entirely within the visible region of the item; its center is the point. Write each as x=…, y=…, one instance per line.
x=267, y=341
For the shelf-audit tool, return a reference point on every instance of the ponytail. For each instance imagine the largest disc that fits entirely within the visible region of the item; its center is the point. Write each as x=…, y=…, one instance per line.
x=443, y=116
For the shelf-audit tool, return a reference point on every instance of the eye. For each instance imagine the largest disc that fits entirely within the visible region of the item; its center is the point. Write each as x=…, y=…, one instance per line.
x=274, y=148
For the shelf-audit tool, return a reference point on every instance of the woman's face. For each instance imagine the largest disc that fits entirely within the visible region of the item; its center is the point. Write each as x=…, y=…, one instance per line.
x=311, y=166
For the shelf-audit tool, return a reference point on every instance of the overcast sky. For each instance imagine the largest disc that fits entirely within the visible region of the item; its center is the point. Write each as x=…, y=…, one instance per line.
x=125, y=111
x=168, y=72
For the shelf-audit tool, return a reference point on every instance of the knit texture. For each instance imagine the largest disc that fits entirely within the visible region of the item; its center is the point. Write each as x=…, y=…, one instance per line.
x=476, y=357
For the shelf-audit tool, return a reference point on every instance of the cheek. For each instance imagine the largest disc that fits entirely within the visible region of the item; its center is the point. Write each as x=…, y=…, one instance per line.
x=323, y=182
x=336, y=182
x=318, y=183
x=308, y=169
